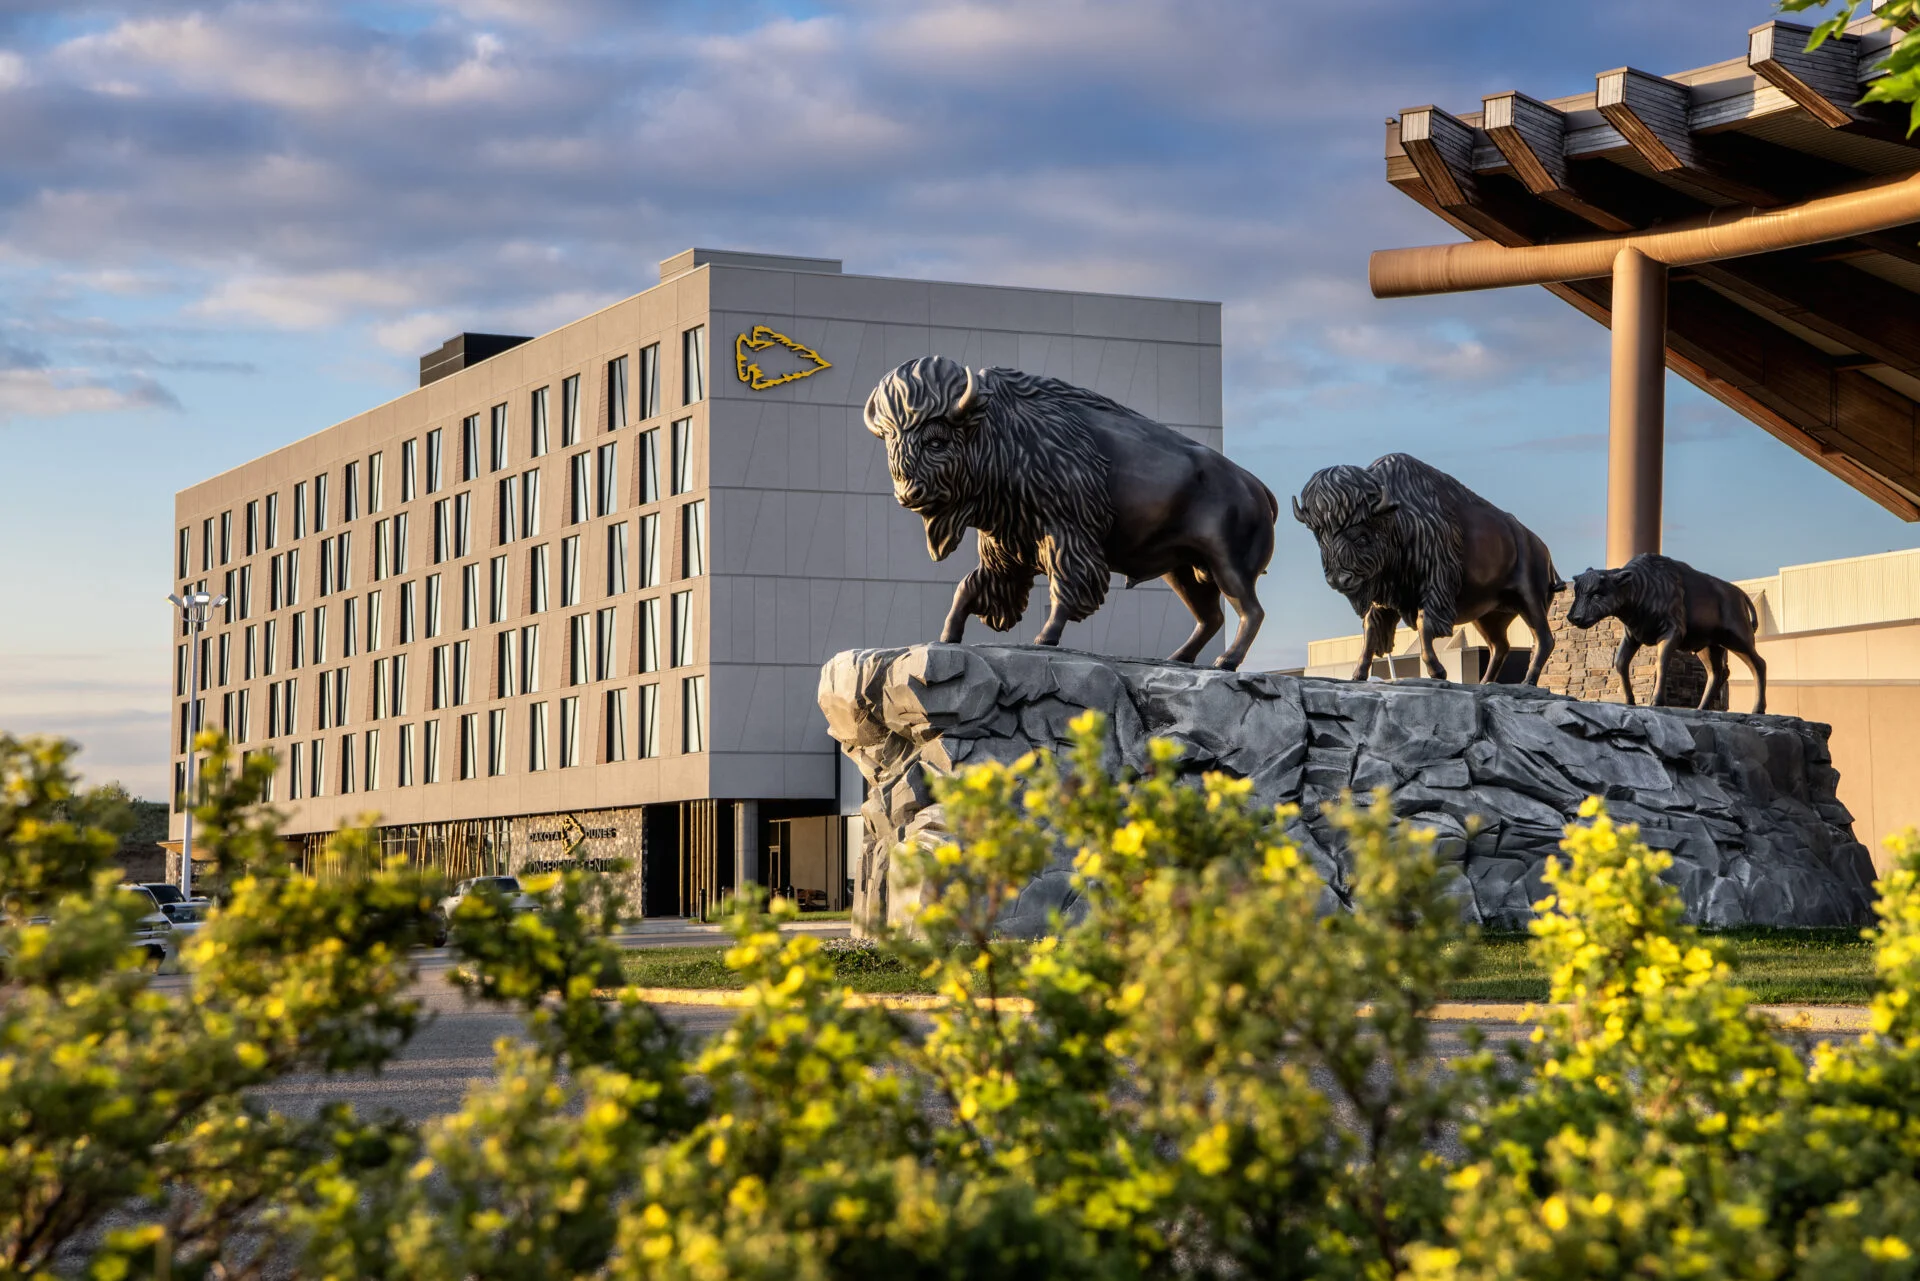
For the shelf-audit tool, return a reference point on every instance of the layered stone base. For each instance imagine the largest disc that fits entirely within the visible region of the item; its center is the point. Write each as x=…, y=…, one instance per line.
x=1745, y=803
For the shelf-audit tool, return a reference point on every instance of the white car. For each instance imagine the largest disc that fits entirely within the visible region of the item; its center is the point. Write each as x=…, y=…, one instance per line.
x=508, y=887
x=153, y=935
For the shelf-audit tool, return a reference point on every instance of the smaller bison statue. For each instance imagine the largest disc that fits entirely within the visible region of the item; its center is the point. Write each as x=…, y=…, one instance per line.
x=1400, y=539
x=1665, y=602
x=1064, y=482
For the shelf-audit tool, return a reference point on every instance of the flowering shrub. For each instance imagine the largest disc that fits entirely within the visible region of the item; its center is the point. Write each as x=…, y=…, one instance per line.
x=1209, y=1075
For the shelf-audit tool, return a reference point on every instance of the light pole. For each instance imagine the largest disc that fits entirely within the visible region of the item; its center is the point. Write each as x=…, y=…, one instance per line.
x=196, y=609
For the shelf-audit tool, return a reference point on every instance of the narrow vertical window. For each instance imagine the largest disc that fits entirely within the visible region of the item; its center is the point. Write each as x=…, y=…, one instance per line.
x=462, y=668
x=530, y=659
x=320, y=503
x=439, y=693
x=616, y=392
x=273, y=521
x=382, y=542
x=648, y=463
x=497, y=741
x=348, y=779
x=579, y=490
x=247, y=668
x=317, y=771
x=251, y=540
x=246, y=591
x=469, y=597
x=682, y=446
x=326, y=566
x=470, y=745
x=506, y=502
x=430, y=751
x=617, y=558
x=343, y=561
x=409, y=464
x=649, y=566
x=616, y=718
x=570, y=410
x=605, y=644
x=607, y=473
x=569, y=732
x=693, y=539
x=269, y=636
x=184, y=556
x=206, y=545
x=397, y=678
x=463, y=525
x=349, y=629
x=505, y=651
x=432, y=605
x=497, y=453
x=373, y=760
x=226, y=538
x=469, y=447
x=376, y=483
x=647, y=619
x=682, y=629
x=435, y=461
x=537, y=580
x=577, y=651
x=299, y=510
x=497, y=599
x=407, y=634
x=536, y=738
x=319, y=633
x=693, y=363
x=693, y=714
x=570, y=571
x=381, y=706
x=226, y=659
x=442, y=530
x=297, y=634
x=350, y=492
x=649, y=389
x=293, y=576
x=648, y=745
x=403, y=759
x=537, y=424
x=373, y=622
x=400, y=542
x=294, y=773
x=529, y=504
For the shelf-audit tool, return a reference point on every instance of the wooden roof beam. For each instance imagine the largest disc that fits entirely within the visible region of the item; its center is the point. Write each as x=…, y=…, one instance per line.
x=1441, y=148
x=1651, y=113
x=1825, y=82
x=1532, y=137
x=1853, y=308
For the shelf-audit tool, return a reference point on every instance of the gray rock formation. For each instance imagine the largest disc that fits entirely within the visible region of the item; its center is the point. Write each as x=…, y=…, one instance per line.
x=1745, y=804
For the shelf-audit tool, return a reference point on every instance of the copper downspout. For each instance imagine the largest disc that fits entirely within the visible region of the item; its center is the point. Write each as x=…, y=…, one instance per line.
x=1872, y=205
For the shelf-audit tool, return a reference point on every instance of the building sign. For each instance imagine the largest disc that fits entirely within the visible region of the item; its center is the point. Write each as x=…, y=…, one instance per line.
x=759, y=339
x=572, y=833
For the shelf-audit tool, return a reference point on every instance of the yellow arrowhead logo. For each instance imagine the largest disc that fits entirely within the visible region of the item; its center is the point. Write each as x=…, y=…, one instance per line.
x=759, y=339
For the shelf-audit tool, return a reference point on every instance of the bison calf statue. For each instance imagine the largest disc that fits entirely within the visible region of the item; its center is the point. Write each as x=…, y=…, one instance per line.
x=1061, y=481
x=1665, y=602
x=1400, y=539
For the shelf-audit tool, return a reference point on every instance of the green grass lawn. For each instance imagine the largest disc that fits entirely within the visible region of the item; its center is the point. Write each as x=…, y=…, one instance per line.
x=1788, y=967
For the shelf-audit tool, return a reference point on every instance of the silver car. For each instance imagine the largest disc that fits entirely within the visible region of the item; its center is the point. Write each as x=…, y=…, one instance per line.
x=508, y=887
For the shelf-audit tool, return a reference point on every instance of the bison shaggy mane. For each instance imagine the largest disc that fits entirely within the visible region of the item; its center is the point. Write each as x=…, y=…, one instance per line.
x=1419, y=571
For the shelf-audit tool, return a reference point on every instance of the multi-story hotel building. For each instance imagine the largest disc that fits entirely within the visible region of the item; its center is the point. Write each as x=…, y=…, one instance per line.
x=569, y=598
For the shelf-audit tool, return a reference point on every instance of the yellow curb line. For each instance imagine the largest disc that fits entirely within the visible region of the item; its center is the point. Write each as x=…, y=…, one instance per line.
x=1799, y=1018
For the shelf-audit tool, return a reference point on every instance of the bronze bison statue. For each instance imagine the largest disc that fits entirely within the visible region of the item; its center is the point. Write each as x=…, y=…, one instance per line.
x=1061, y=481
x=1400, y=539
x=1665, y=602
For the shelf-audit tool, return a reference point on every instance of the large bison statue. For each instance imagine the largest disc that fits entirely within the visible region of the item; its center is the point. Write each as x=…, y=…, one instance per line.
x=1666, y=602
x=1062, y=481
x=1400, y=539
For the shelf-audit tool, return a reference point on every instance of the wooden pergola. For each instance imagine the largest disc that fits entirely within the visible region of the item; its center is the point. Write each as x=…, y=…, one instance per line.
x=1746, y=225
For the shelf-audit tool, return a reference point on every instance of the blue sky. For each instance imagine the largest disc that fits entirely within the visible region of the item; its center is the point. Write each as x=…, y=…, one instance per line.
x=223, y=226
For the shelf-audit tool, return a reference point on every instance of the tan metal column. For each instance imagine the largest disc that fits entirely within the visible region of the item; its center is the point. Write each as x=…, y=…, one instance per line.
x=1636, y=422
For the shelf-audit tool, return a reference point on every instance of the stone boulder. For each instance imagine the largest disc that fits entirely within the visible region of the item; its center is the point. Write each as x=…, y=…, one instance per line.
x=1745, y=804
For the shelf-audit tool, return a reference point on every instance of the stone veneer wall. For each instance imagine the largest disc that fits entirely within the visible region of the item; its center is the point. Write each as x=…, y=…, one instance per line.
x=1745, y=804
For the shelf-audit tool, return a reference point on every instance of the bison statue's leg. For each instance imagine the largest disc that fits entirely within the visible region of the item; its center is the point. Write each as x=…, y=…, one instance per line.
x=1668, y=643
x=1238, y=589
x=1750, y=654
x=1493, y=630
x=956, y=624
x=1623, y=663
x=1381, y=625
x=1717, y=668
x=1428, y=632
x=1202, y=598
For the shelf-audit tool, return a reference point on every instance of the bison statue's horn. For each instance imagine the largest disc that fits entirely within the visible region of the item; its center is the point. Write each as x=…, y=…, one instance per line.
x=1297, y=513
x=966, y=398
x=1383, y=504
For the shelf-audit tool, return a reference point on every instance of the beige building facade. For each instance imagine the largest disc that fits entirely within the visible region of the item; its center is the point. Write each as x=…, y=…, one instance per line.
x=570, y=597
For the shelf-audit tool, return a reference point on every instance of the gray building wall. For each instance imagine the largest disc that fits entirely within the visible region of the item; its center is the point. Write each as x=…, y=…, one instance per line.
x=811, y=555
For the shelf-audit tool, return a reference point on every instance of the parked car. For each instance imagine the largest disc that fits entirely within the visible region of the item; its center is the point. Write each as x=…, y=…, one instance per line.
x=186, y=917
x=153, y=933
x=507, y=887
x=164, y=892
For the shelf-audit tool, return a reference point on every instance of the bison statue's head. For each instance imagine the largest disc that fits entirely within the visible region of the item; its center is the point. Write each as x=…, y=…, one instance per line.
x=1594, y=598
x=1351, y=516
x=928, y=413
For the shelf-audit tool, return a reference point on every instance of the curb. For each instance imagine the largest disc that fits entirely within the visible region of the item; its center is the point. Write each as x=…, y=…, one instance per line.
x=1793, y=1018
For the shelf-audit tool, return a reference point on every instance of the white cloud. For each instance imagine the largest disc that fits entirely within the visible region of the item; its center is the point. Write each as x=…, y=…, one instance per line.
x=56, y=393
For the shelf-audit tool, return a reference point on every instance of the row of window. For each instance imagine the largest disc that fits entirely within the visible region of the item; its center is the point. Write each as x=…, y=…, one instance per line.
x=363, y=487
x=629, y=727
